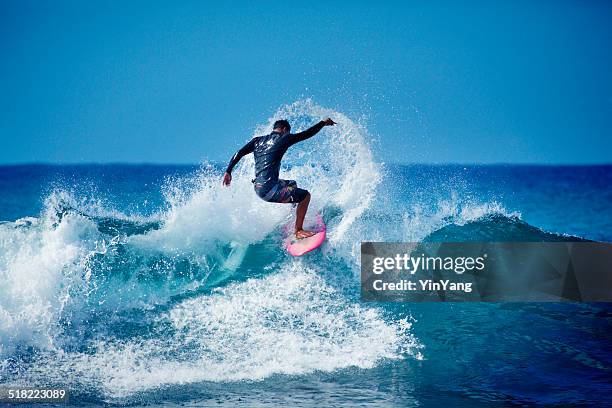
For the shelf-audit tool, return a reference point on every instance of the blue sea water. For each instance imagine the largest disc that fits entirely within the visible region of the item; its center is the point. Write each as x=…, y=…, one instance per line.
x=153, y=285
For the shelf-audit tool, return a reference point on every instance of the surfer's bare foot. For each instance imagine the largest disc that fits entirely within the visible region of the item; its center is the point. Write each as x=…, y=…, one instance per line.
x=300, y=234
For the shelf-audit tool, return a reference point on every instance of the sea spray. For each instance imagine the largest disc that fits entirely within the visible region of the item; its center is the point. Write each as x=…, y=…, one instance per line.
x=336, y=166
x=118, y=304
x=131, y=311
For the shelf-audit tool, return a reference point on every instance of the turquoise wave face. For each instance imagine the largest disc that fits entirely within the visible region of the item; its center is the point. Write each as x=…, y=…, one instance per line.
x=130, y=284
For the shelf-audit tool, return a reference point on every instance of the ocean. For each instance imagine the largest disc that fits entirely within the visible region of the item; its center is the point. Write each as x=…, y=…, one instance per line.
x=154, y=285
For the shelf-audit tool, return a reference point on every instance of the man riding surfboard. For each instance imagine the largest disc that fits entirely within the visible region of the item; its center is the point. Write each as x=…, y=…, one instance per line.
x=268, y=151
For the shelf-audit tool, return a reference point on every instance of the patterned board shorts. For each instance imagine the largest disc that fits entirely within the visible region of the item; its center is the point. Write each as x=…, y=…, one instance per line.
x=285, y=191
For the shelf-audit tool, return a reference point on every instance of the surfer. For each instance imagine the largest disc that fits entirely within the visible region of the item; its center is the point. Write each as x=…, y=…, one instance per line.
x=268, y=151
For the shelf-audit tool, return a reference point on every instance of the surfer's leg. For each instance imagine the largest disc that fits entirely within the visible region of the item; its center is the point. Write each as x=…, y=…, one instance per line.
x=300, y=214
x=287, y=191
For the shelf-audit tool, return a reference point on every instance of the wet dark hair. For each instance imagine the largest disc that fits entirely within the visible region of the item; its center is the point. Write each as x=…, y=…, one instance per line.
x=281, y=124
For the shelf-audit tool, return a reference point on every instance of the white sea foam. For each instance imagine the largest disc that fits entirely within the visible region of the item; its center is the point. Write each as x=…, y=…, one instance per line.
x=291, y=322
x=419, y=222
x=40, y=265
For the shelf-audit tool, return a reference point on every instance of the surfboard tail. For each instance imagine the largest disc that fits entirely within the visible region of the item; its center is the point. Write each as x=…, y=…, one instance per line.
x=298, y=247
x=304, y=245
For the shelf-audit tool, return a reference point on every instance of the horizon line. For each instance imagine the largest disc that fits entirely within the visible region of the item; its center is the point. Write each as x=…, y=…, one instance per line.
x=175, y=164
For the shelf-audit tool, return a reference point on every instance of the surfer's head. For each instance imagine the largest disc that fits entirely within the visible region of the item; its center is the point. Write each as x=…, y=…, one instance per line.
x=281, y=126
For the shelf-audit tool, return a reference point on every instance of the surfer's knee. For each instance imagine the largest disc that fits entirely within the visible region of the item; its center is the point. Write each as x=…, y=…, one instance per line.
x=301, y=196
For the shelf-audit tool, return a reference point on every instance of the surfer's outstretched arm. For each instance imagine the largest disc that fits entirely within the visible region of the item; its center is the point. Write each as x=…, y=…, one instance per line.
x=311, y=131
x=246, y=149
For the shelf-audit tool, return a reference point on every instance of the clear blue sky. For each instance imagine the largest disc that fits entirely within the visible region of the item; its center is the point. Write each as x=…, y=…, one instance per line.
x=178, y=82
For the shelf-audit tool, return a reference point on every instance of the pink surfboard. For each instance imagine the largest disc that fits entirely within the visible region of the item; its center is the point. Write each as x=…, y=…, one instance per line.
x=298, y=247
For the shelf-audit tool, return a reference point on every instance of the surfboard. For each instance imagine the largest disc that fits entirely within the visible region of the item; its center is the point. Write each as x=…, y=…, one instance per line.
x=298, y=247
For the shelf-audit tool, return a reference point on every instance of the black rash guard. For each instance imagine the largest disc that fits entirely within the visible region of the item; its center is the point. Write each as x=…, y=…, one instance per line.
x=268, y=151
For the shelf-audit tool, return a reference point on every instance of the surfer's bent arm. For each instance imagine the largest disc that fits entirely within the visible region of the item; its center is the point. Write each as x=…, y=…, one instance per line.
x=246, y=149
x=310, y=132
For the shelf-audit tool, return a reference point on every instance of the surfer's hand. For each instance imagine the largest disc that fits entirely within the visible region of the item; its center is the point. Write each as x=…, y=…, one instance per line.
x=227, y=179
x=329, y=122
